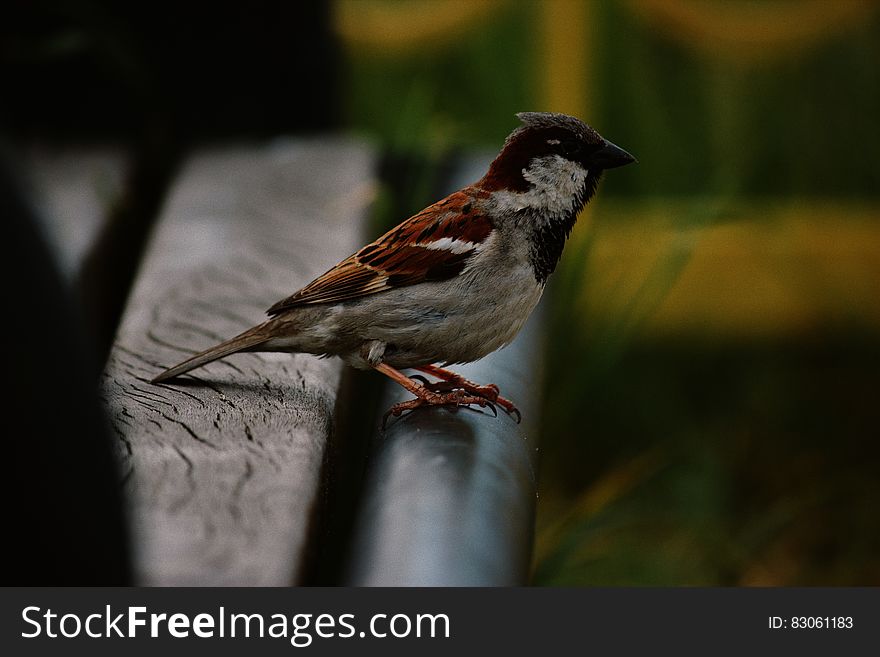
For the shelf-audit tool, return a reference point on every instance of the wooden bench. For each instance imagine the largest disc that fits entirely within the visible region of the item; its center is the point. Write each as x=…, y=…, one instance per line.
x=230, y=474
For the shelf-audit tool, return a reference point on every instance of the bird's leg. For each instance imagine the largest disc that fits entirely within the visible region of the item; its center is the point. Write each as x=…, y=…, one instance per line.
x=426, y=396
x=490, y=391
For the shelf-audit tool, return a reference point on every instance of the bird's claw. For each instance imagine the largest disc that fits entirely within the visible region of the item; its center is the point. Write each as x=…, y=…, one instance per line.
x=456, y=397
x=509, y=408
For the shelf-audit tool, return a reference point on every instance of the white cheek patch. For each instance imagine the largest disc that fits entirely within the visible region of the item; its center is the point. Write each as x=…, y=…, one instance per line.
x=449, y=244
x=552, y=174
x=556, y=184
x=555, y=181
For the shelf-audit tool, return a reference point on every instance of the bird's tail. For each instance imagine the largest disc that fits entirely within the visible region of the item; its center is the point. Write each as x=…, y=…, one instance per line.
x=244, y=342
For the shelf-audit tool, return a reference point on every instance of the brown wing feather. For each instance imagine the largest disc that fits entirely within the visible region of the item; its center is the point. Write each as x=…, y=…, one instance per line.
x=401, y=257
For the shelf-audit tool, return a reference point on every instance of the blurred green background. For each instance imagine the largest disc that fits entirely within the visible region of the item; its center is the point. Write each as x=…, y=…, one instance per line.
x=711, y=404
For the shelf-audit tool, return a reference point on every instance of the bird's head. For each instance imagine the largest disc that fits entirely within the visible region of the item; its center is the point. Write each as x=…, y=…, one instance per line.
x=549, y=146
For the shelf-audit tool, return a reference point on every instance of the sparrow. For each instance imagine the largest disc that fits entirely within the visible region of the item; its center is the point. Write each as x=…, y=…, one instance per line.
x=452, y=283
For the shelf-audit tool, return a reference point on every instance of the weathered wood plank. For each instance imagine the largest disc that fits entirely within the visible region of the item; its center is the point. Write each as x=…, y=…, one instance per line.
x=223, y=473
x=449, y=497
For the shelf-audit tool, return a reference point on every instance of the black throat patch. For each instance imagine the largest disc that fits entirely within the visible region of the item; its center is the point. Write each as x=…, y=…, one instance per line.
x=547, y=239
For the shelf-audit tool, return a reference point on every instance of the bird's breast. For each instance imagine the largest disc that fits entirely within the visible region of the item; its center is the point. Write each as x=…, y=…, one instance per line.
x=455, y=321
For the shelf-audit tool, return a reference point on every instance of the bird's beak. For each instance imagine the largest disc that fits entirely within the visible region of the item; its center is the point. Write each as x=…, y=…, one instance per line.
x=610, y=156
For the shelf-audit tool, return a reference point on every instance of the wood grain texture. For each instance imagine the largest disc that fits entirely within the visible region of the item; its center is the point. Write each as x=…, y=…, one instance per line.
x=222, y=472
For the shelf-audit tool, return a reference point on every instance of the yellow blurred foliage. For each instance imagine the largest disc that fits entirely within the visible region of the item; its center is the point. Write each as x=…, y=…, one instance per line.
x=765, y=270
x=751, y=32
x=395, y=28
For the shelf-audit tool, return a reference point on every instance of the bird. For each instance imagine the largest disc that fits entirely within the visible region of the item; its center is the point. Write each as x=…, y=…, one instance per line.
x=453, y=282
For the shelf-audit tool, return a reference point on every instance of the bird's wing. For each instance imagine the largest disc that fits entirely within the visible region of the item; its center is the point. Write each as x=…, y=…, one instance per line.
x=432, y=245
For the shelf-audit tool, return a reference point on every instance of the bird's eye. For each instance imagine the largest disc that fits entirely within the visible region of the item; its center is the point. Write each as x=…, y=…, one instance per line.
x=571, y=147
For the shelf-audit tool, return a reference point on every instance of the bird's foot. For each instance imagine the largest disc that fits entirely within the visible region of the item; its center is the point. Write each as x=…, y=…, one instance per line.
x=489, y=392
x=452, y=381
x=428, y=397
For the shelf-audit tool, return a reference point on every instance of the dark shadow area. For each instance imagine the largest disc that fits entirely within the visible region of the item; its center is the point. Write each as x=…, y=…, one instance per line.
x=101, y=70
x=345, y=463
x=64, y=493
